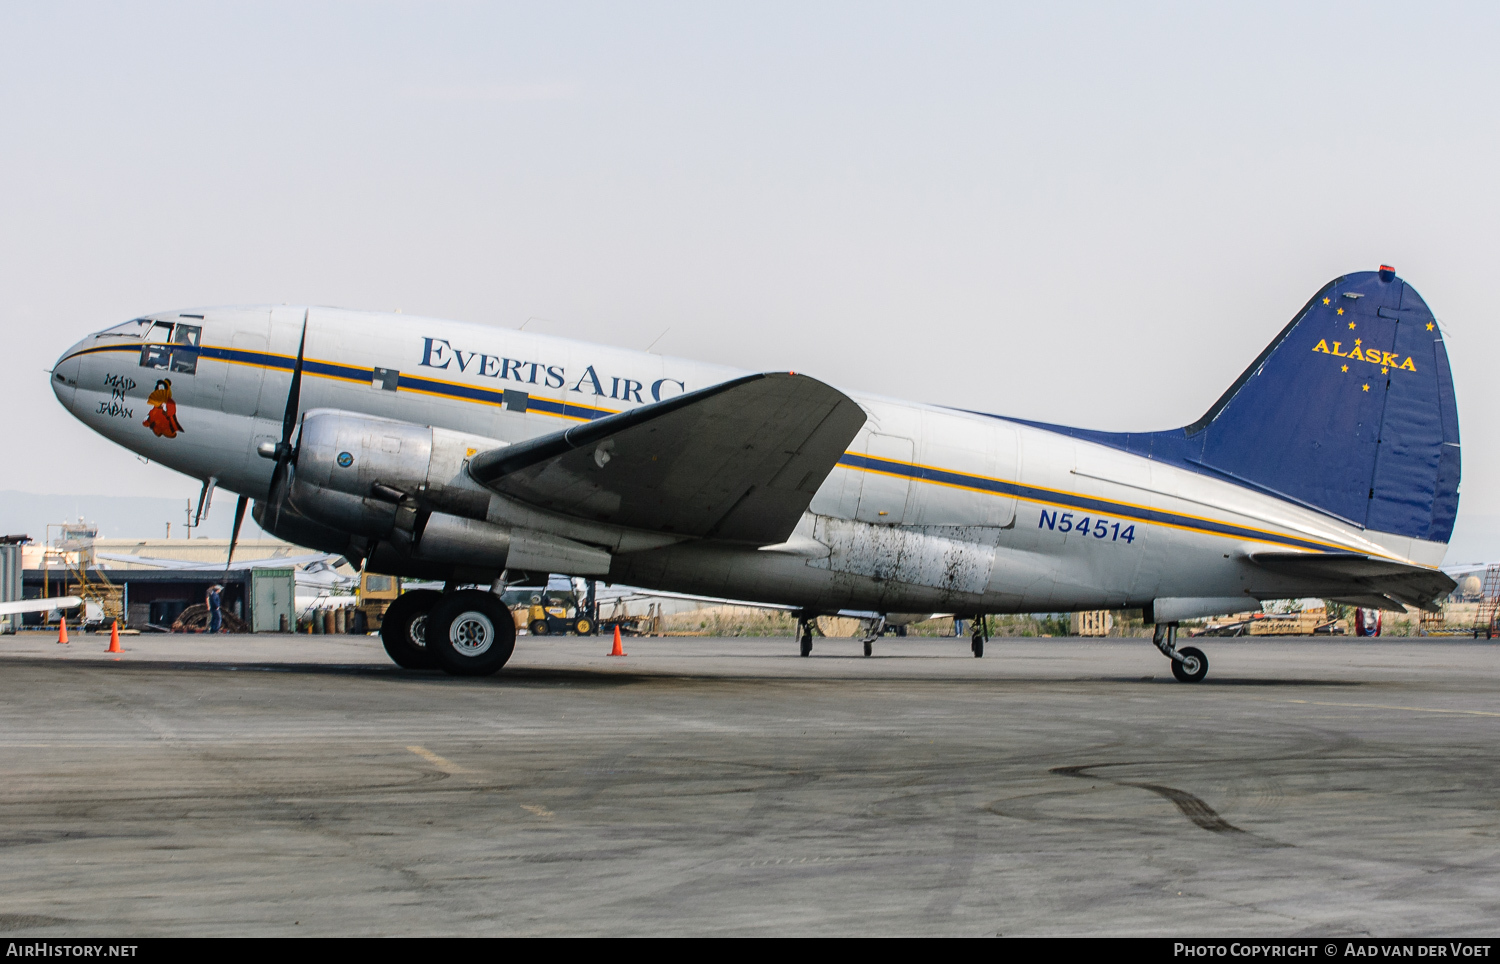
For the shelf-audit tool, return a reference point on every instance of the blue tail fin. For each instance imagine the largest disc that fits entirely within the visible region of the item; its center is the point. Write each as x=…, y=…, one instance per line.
x=1350, y=410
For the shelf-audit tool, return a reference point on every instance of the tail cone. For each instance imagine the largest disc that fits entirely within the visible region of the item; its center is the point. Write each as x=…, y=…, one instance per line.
x=114, y=637
x=618, y=650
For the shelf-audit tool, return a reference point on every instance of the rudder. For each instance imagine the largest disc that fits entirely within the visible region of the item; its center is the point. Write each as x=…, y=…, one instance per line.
x=1350, y=410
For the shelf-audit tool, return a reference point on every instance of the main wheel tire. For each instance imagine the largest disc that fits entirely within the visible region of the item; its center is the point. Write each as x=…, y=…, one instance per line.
x=470, y=633
x=806, y=646
x=977, y=645
x=1194, y=666
x=869, y=648
x=538, y=627
x=403, y=630
x=584, y=626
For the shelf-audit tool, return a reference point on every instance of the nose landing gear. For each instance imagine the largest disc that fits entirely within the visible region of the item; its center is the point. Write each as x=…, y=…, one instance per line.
x=804, y=632
x=1189, y=664
x=980, y=637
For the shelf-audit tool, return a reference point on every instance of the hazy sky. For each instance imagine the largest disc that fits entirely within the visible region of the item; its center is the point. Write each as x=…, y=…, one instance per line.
x=1093, y=214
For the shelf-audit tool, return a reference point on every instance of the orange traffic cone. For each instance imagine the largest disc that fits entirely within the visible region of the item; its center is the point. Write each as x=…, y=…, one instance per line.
x=114, y=637
x=617, y=651
x=62, y=631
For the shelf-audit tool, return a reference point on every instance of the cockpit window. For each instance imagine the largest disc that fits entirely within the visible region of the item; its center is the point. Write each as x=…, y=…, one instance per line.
x=163, y=352
x=130, y=329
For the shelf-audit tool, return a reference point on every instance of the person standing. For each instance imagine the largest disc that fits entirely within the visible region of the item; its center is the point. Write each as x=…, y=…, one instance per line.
x=215, y=613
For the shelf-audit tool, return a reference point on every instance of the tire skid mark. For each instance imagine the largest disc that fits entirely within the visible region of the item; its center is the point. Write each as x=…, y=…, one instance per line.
x=1190, y=806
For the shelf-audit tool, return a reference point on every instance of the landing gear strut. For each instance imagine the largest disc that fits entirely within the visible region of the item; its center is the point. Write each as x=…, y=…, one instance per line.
x=981, y=635
x=877, y=630
x=1189, y=664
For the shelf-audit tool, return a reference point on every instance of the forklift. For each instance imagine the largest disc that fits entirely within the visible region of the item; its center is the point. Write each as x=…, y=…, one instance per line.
x=554, y=612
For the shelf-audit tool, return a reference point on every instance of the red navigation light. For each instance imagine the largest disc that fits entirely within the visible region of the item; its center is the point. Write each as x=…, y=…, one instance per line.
x=1387, y=273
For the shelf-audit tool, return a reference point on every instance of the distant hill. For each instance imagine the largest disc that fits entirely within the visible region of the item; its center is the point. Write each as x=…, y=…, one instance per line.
x=118, y=516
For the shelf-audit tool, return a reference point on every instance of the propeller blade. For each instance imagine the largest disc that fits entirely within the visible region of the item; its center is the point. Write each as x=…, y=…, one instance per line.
x=234, y=534
x=288, y=424
x=294, y=394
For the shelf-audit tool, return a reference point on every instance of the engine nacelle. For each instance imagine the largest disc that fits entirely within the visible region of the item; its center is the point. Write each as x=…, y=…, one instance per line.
x=385, y=459
x=403, y=490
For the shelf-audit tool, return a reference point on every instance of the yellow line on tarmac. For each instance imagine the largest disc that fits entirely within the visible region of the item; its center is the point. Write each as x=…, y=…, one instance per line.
x=442, y=763
x=1382, y=706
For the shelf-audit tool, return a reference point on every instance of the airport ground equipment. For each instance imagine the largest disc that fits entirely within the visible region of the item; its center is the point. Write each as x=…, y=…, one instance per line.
x=1312, y=622
x=1487, y=619
x=376, y=593
x=552, y=617
x=464, y=454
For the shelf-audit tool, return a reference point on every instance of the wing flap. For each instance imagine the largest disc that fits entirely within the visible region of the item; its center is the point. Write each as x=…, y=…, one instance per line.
x=1345, y=576
x=738, y=461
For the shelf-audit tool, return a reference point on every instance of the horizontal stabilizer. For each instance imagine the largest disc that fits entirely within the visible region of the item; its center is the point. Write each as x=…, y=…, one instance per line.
x=739, y=461
x=1347, y=576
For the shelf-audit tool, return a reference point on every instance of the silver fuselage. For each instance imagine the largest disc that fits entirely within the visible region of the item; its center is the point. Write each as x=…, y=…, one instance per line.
x=997, y=527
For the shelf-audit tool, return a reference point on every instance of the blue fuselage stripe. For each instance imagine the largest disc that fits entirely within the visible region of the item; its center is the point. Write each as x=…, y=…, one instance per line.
x=866, y=463
x=922, y=473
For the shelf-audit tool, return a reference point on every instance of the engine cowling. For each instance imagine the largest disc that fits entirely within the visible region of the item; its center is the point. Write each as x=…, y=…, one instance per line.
x=388, y=460
x=403, y=491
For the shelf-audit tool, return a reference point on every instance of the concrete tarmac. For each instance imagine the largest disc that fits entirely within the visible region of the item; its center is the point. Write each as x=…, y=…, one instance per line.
x=304, y=785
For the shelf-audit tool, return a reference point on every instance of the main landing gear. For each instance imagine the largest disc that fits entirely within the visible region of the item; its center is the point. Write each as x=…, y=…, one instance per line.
x=404, y=629
x=1189, y=664
x=804, y=632
x=877, y=630
x=467, y=632
x=980, y=637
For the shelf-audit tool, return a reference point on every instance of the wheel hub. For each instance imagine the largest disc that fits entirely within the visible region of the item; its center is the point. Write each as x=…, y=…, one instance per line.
x=418, y=631
x=472, y=634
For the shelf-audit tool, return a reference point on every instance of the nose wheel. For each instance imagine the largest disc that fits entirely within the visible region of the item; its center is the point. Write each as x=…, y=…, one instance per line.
x=980, y=637
x=1189, y=664
x=804, y=633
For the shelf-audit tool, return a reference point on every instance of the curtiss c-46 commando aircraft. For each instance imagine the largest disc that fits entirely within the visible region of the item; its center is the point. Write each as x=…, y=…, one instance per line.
x=472, y=455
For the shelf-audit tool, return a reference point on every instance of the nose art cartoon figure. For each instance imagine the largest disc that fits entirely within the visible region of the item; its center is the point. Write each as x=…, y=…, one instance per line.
x=162, y=419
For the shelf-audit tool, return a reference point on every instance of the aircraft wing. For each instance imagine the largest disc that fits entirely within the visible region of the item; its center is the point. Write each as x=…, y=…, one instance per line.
x=1362, y=580
x=738, y=461
x=39, y=605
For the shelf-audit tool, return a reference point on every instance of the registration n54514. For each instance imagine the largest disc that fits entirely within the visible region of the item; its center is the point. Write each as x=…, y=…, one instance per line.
x=1096, y=526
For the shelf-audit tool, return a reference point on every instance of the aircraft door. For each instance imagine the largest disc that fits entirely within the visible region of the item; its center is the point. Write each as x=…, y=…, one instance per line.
x=974, y=462
x=883, y=492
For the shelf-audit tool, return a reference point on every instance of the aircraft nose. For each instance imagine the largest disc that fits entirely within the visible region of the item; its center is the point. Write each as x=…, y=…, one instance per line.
x=65, y=376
